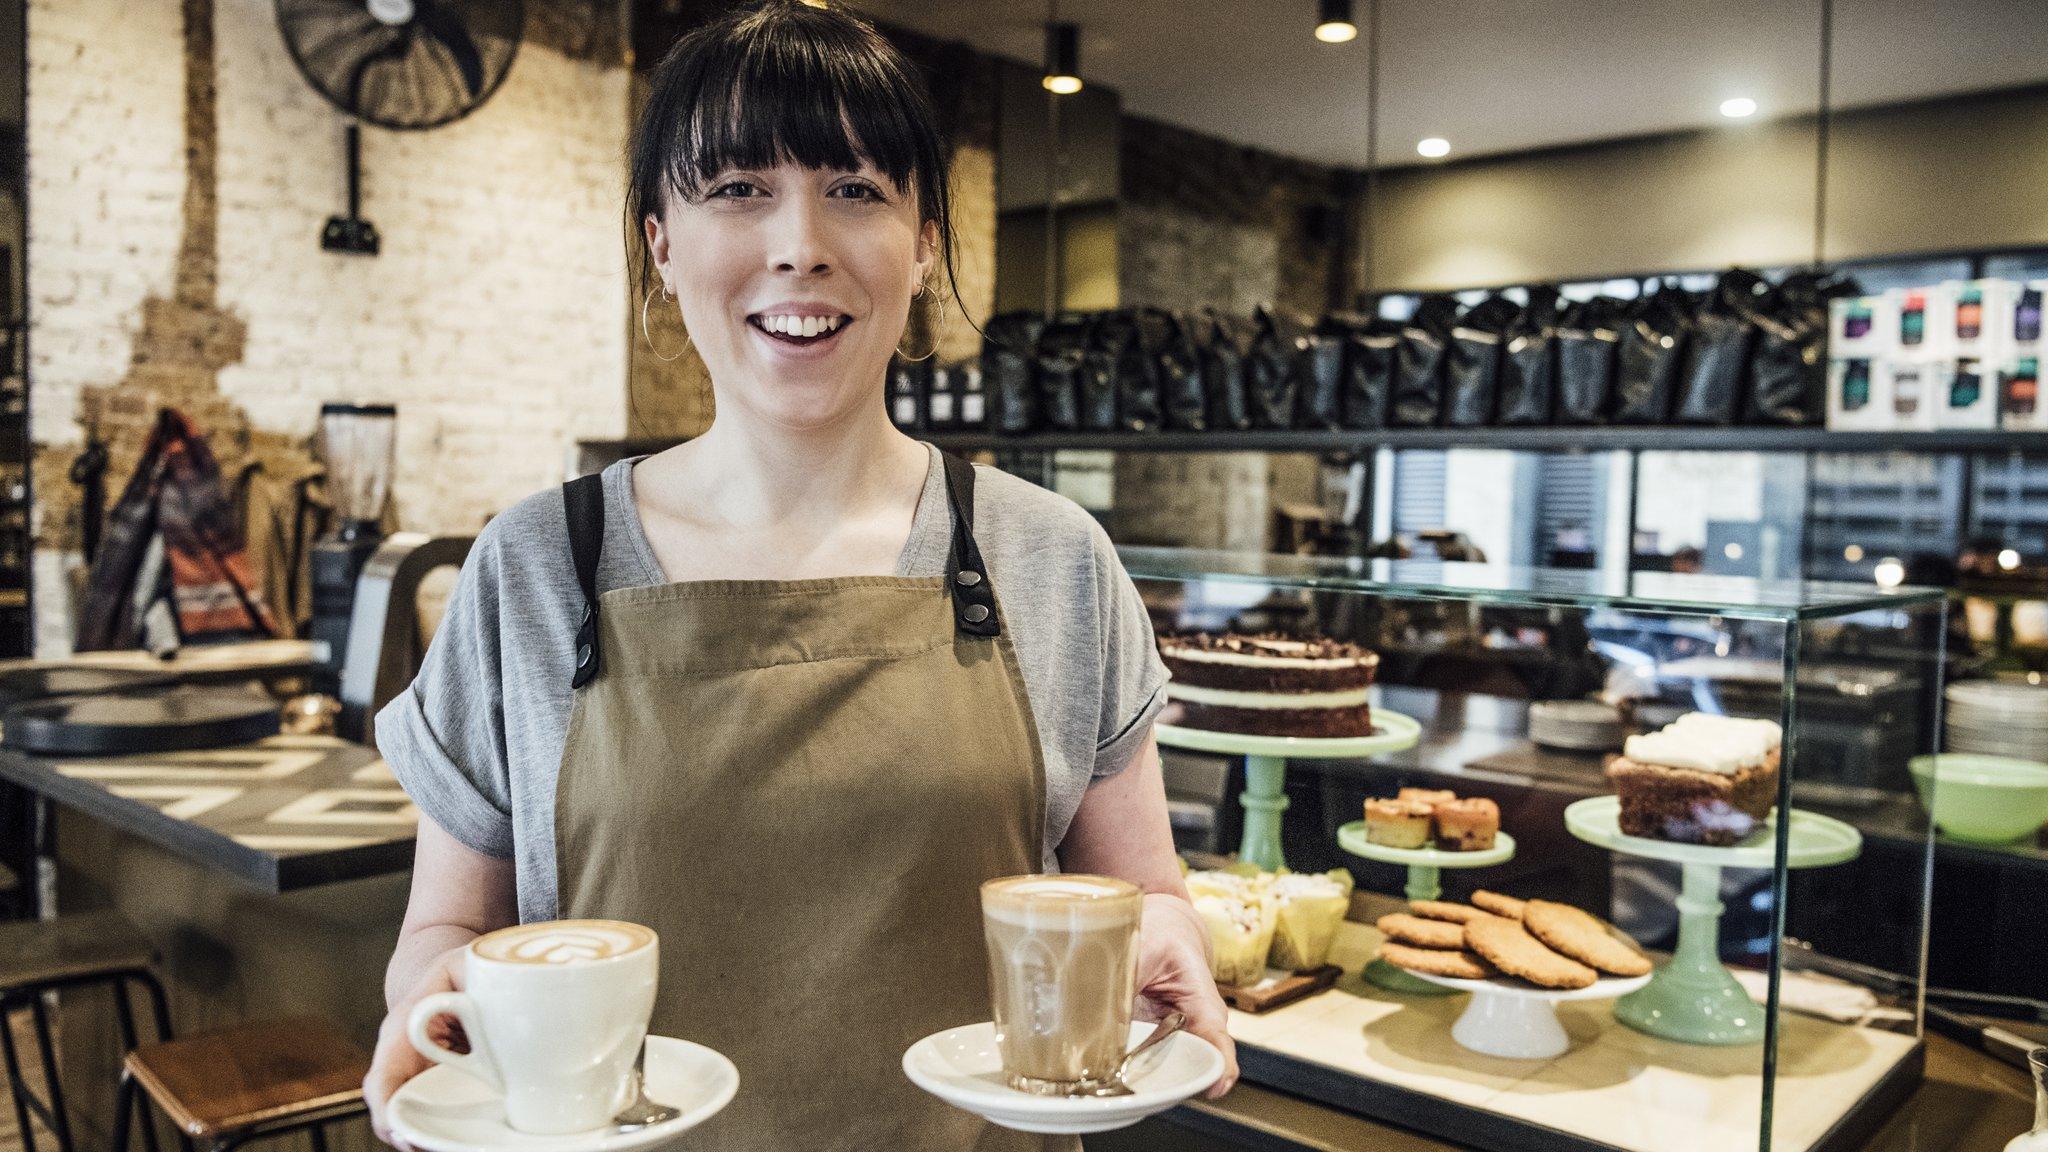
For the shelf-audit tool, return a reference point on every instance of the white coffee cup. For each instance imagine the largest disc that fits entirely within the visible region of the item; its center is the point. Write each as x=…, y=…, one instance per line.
x=555, y=1012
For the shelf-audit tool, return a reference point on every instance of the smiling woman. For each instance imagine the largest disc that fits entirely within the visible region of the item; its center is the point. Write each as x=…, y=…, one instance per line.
x=789, y=141
x=790, y=692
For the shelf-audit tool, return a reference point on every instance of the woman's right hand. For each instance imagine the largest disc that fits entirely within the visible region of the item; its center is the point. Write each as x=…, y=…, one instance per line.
x=396, y=1060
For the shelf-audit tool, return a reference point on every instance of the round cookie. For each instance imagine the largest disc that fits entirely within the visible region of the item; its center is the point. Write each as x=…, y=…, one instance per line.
x=1444, y=910
x=1420, y=932
x=1498, y=904
x=1458, y=965
x=1507, y=945
x=1581, y=935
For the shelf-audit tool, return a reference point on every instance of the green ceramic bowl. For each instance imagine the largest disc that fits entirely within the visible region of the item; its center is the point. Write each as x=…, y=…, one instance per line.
x=1983, y=799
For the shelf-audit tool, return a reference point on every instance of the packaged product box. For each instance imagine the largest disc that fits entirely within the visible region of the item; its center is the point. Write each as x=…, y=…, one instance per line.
x=2020, y=407
x=2026, y=319
x=1914, y=388
x=1863, y=327
x=1983, y=318
x=1927, y=319
x=1966, y=393
x=1855, y=401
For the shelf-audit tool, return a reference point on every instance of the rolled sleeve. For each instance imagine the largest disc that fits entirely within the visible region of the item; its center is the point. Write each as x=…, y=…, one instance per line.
x=1133, y=676
x=442, y=788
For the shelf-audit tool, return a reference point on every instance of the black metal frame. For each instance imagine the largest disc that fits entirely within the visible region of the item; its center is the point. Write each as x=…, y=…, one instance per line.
x=1592, y=438
x=52, y=1111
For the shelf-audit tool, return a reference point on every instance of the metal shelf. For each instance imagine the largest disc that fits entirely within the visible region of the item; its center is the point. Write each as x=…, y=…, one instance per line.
x=1593, y=439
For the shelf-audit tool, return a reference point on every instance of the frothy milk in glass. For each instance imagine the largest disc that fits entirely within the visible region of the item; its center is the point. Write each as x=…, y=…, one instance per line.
x=1063, y=957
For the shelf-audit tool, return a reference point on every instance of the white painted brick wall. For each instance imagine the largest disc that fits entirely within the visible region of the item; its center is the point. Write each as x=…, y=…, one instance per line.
x=495, y=317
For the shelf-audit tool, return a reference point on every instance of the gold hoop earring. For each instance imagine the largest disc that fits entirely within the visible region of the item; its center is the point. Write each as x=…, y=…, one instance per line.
x=934, y=321
x=649, y=337
x=929, y=352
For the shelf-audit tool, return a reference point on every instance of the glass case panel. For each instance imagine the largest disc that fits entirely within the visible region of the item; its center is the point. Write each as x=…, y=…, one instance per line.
x=1764, y=990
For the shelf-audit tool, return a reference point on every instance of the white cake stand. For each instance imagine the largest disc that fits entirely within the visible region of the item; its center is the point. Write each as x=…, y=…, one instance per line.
x=1515, y=1019
x=1425, y=882
x=1265, y=769
x=1692, y=998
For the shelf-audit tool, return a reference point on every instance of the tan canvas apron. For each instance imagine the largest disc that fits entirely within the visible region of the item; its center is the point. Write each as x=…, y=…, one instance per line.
x=801, y=785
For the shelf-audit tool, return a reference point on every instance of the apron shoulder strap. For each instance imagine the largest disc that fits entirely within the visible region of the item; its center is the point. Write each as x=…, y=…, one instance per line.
x=583, y=500
x=974, y=602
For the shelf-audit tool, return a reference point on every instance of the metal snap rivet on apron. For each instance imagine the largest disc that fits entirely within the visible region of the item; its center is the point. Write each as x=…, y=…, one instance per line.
x=976, y=613
x=582, y=655
x=968, y=578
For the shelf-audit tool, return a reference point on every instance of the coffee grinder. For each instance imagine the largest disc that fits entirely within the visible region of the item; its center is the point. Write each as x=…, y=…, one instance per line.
x=358, y=443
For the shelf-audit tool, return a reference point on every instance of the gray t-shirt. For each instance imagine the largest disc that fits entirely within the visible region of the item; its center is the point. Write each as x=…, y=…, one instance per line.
x=477, y=739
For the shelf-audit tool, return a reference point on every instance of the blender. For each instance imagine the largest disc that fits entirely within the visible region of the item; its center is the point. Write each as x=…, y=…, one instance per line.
x=358, y=443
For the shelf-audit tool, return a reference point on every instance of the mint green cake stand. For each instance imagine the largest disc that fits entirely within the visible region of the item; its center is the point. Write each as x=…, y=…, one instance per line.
x=1692, y=998
x=1265, y=769
x=1425, y=882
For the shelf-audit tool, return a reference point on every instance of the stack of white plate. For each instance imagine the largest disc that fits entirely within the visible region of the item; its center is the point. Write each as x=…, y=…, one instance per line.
x=1577, y=725
x=1998, y=718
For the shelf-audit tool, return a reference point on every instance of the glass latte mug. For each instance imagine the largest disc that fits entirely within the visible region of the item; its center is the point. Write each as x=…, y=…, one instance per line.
x=554, y=1011
x=1063, y=973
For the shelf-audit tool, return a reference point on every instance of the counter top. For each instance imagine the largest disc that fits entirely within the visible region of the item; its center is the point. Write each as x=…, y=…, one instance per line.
x=284, y=813
x=1968, y=1102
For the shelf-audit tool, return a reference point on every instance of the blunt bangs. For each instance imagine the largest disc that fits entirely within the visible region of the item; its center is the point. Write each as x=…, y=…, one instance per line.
x=785, y=83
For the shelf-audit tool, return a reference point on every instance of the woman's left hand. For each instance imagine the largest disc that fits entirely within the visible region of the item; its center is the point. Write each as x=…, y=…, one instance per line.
x=1173, y=973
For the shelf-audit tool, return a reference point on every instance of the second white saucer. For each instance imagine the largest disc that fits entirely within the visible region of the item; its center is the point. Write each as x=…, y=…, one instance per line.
x=963, y=1067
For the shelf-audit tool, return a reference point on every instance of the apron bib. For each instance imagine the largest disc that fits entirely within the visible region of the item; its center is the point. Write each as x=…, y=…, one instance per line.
x=801, y=786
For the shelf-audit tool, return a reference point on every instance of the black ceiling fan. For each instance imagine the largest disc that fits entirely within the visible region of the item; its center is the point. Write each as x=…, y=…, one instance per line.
x=398, y=64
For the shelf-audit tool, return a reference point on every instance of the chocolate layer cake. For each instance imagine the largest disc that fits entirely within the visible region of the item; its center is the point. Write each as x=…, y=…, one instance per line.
x=1267, y=685
x=1700, y=780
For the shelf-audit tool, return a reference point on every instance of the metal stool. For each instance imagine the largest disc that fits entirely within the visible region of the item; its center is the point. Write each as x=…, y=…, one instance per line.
x=77, y=951
x=248, y=1082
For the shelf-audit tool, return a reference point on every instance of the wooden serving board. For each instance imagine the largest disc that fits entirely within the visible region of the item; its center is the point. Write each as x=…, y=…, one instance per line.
x=1274, y=991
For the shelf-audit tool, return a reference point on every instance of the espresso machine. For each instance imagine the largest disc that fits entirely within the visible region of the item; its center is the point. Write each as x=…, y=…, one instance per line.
x=358, y=443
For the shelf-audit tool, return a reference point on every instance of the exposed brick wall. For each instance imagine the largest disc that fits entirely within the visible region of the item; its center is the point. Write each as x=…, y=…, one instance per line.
x=1206, y=223
x=180, y=169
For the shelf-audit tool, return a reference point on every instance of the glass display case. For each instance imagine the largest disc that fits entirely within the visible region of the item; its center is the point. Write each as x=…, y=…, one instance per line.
x=1686, y=930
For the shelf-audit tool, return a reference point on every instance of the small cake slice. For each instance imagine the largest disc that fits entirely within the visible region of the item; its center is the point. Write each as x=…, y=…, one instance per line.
x=1702, y=779
x=1397, y=823
x=1467, y=825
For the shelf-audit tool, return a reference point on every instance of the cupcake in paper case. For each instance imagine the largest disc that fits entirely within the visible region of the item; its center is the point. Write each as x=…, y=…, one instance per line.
x=1312, y=905
x=1240, y=934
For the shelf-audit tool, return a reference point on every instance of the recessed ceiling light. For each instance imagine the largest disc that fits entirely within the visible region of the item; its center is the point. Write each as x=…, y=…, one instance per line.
x=1738, y=107
x=1434, y=147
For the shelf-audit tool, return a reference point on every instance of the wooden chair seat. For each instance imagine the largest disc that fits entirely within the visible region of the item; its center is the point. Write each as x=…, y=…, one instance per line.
x=252, y=1076
x=74, y=946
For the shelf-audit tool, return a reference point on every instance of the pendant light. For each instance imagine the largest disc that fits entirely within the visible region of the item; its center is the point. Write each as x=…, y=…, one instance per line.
x=1333, y=21
x=1062, y=54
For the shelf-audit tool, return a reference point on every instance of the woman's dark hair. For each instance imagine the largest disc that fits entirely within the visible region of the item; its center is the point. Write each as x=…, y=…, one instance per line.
x=783, y=82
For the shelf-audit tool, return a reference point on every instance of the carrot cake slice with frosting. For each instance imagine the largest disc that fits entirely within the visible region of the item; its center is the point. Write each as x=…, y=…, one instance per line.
x=1702, y=779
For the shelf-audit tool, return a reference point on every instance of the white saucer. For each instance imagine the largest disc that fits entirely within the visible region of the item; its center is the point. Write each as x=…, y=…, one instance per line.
x=443, y=1110
x=962, y=1067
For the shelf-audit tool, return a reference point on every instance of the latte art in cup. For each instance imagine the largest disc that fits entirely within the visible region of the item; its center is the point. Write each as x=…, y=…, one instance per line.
x=1062, y=977
x=555, y=1013
x=563, y=942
